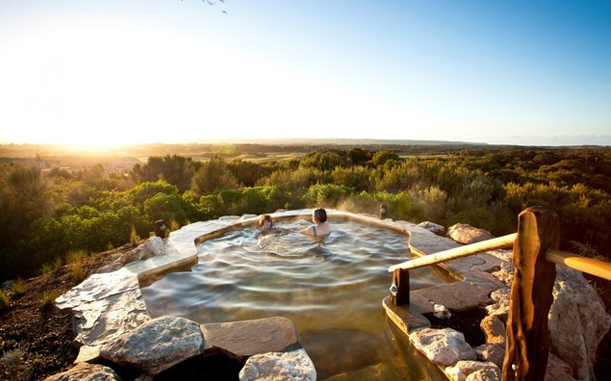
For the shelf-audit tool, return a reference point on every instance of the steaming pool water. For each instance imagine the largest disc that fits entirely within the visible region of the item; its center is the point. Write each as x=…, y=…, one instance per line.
x=331, y=289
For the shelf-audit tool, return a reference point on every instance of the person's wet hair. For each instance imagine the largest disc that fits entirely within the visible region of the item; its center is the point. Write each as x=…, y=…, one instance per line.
x=320, y=215
x=263, y=218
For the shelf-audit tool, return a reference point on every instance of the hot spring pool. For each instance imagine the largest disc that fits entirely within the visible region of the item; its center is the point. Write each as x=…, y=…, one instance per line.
x=332, y=290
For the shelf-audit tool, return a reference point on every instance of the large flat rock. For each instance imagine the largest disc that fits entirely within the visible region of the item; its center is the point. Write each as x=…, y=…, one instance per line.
x=105, y=306
x=242, y=339
x=98, y=287
x=156, y=345
x=459, y=296
x=100, y=321
x=426, y=242
x=468, y=234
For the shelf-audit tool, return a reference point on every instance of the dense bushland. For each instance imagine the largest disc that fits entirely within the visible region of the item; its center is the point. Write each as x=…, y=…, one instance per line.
x=46, y=215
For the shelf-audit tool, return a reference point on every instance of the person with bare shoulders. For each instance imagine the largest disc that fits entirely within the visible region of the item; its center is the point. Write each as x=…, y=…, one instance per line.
x=320, y=228
x=265, y=222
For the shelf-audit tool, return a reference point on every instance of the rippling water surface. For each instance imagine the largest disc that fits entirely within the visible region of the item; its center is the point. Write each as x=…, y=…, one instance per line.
x=332, y=290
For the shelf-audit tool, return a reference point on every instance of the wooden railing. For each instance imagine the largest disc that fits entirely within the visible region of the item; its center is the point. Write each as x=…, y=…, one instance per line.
x=458, y=252
x=535, y=253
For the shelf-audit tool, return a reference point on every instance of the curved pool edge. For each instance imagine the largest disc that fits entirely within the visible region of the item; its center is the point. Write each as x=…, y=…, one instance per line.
x=107, y=305
x=181, y=245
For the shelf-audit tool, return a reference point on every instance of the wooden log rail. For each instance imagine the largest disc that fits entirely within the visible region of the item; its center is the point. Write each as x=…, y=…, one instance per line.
x=458, y=252
x=577, y=262
x=535, y=253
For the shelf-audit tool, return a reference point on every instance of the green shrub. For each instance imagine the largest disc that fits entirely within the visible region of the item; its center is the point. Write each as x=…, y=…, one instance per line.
x=396, y=178
x=326, y=160
x=353, y=177
x=4, y=300
x=327, y=194
x=78, y=271
x=430, y=203
x=382, y=157
x=46, y=269
x=57, y=264
x=17, y=288
x=134, y=238
x=173, y=225
x=144, y=191
x=213, y=175
x=48, y=298
x=75, y=256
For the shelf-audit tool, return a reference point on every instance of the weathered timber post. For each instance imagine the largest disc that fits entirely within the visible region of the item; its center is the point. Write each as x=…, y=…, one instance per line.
x=383, y=212
x=160, y=228
x=399, y=290
x=527, y=347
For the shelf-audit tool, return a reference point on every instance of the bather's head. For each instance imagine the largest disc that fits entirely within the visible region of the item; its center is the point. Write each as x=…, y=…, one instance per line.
x=265, y=221
x=319, y=216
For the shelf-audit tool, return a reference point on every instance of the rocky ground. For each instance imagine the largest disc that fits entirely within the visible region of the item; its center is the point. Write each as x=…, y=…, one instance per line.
x=35, y=336
x=603, y=367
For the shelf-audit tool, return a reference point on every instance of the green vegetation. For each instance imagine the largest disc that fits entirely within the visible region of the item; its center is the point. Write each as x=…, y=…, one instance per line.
x=134, y=238
x=48, y=298
x=48, y=215
x=17, y=288
x=4, y=300
x=78, y=271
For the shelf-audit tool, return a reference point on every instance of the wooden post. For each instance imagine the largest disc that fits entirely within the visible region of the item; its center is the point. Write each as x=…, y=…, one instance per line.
x=527, y=347
x=383, y=212
x=160, y=228
x=399, y=290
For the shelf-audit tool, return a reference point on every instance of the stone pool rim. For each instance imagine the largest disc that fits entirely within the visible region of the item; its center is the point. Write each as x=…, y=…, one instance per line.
x=94, y=308
x=144, y=273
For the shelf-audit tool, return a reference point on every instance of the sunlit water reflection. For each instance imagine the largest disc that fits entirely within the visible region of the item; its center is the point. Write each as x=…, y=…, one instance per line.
x=332, y=290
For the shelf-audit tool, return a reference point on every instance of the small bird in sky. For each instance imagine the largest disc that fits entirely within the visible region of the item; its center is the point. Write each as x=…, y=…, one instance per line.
x=224, y=11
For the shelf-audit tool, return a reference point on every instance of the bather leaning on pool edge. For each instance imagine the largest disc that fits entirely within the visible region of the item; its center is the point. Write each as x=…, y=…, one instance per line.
x=320, y=228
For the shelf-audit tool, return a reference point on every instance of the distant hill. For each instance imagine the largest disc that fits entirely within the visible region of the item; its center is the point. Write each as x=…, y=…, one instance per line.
x=350, y=142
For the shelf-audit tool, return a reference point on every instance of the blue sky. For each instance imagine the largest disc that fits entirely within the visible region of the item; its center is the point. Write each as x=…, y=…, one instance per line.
x=134, y=71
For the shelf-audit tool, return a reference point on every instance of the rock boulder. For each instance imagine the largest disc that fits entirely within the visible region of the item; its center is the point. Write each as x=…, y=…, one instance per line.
x=557, y=370
x=279, y=366
x=474, y=371
x=577, y=322
x=493, y=329
x=242, y=339
x=494, y=353
x=466, y=234
x=444, y=347
x=433, y=228
x=156, y=345
x=86, y=372
x=152, y=247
